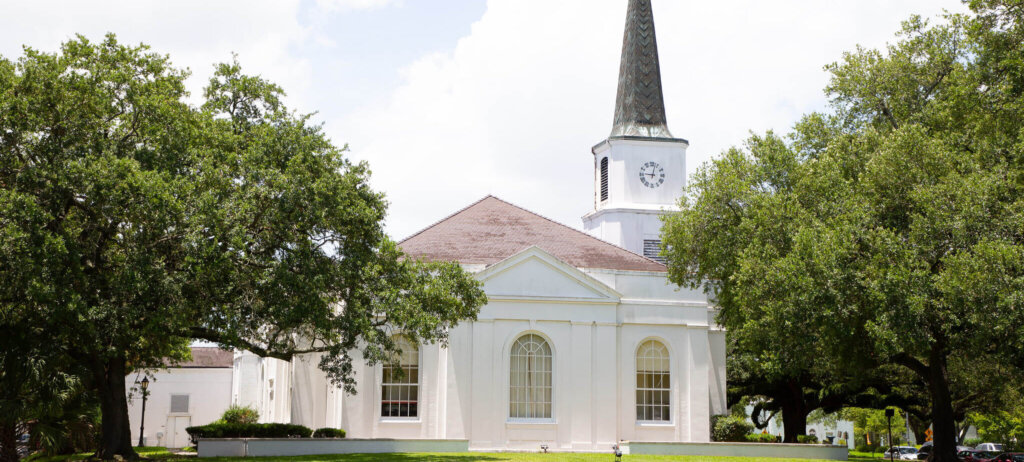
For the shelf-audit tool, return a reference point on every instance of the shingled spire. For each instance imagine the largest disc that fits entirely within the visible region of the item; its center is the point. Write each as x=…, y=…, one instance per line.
x=639, y=104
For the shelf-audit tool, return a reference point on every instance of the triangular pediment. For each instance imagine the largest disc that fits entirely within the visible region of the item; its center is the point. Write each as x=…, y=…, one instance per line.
x=536, y=274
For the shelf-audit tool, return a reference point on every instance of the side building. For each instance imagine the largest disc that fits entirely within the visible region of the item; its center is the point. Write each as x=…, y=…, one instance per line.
x=196, y=392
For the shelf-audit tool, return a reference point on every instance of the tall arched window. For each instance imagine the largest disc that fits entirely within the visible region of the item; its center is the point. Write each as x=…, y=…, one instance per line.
x=604, y=179
x=652, y=382
x=399, y=394
x=530, y=378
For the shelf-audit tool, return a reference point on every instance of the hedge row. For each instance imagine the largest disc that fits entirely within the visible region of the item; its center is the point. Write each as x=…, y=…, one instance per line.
x=329, y=433
x=256, y=430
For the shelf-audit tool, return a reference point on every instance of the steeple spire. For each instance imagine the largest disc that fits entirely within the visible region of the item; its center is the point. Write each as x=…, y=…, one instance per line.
x=639, y=104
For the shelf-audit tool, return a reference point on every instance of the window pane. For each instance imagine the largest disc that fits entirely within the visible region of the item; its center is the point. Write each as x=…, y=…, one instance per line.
x=400, y=382
x=530, y=378
x=652, y=381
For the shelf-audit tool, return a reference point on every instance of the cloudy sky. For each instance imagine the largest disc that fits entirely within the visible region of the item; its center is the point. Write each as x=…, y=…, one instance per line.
x=451, y=100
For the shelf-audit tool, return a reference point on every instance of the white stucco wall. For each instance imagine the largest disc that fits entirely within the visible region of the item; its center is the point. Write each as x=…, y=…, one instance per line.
x=209, y=391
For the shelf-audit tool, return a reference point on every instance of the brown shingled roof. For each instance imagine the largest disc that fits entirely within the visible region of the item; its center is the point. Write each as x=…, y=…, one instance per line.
x=491, y=230
x=209, y=357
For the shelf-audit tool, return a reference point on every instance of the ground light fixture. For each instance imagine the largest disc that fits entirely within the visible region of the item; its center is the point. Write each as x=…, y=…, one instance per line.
x=144, y=384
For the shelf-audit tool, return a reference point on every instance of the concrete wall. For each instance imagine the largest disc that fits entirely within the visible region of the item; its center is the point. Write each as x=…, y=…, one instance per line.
x=209, y=392
x=285, y=447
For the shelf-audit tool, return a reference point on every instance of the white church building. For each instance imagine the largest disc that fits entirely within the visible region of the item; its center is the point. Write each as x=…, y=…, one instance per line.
x=583, y=343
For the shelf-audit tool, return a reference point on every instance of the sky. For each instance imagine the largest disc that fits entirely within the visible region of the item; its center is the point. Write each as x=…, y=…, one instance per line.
x=451, y=100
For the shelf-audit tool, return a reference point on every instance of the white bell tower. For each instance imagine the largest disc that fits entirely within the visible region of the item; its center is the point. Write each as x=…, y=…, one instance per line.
x=640, y=170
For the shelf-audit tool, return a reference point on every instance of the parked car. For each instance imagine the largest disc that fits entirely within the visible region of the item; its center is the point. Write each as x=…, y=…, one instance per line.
x=1008, y=457
x=902, y=452
x=924, y=451
x=989, y=447
x=973, y=455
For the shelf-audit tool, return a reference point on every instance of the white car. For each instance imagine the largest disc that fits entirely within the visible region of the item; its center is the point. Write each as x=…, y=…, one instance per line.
x=994, y=447
x=902, y=453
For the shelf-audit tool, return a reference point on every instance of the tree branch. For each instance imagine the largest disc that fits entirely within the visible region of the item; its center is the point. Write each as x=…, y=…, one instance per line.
x=912, y=363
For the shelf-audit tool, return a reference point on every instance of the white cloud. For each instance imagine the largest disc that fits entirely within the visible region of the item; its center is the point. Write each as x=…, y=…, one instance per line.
x=195, y=33
x=514, y=109
x=354, y=4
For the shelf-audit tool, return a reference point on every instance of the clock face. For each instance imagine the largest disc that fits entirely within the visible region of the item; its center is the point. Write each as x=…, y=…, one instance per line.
x=652, y=175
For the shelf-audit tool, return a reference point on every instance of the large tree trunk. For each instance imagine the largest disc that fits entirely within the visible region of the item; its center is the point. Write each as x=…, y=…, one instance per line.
x=794, y=413
x=8, y=442
x=115, y=433
x=943, y=422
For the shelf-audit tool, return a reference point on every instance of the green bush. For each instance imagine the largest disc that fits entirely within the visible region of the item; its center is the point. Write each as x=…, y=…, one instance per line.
x=329, y=433
x=240, y=415
x=807, y=439
x=762, y=438
x=230, y=430
x=841, y=442
x=972, y=442
x=730, y=428
x=871, y=448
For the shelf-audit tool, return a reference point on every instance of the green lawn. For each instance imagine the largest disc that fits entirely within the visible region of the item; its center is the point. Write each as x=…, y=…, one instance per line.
x=162, y=454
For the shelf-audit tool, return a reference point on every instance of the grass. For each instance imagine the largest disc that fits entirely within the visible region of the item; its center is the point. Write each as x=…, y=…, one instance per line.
x=855, y=455
x=153, y=453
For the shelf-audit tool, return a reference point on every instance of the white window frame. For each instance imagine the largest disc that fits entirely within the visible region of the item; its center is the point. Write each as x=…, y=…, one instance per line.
x=418, y=384
x=550, y=418
x=668, y=388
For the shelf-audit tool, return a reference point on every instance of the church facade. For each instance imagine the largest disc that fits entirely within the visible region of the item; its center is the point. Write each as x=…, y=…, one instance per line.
x=583, y=343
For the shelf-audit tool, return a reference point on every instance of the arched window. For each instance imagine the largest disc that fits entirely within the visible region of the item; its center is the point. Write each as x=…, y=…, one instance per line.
x=604, y=179
x=530, y=378
x=652, y=382
x=399, y=394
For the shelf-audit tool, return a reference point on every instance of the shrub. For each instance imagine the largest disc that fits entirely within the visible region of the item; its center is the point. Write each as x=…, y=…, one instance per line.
x=730, y=428
x=329, y=433
x=240, y=415
x=972, y=442
x=762, y=438
x=841, y=442
x=871, y=448
x=230, y=430
x=807, y=439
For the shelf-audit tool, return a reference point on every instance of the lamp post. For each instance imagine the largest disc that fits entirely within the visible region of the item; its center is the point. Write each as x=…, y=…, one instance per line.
x=142, y=421
x=888, y=416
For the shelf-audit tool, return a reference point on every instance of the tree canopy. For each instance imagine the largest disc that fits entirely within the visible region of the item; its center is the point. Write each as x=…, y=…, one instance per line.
x=889, y=231
x=132, y=222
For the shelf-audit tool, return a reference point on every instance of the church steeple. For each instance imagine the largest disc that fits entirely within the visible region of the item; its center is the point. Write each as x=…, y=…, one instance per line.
x=639, y=104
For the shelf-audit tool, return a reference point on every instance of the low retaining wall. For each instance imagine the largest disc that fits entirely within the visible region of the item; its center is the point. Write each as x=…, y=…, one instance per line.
x=774, y=450
x=257, y=447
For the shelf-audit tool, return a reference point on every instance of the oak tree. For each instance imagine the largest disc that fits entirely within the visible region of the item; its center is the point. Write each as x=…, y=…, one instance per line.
x=132, y=222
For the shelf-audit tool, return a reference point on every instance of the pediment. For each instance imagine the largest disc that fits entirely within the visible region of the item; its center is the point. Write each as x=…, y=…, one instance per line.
x=535, y=274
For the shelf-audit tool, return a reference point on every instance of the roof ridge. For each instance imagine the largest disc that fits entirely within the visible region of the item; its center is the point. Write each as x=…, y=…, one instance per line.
x=569, y=228
x=421, y=231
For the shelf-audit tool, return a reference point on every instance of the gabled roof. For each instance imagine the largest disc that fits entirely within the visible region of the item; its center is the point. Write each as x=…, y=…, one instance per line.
x=491, y=230
x=208, y=357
